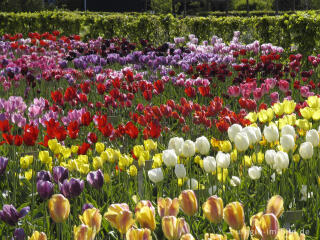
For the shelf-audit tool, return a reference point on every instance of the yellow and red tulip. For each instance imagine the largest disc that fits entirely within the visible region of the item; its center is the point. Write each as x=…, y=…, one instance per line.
x=213, y=209
x=138, y=234
x=92, y=218
x=59, y=208
x=146, y=216
x=83, y=232
x=233, y=214
x=188, y=202
x=173, y=228
x=242, y=234
x=211, y=236
x=269, y=226
x=187, y=236
x=168, y=207
x=38, y=236
x=275, y=206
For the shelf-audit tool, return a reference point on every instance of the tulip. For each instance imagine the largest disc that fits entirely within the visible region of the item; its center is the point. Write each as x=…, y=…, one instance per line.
x=306, y=150
x=138, y=234
x=287, y=142
x=235, y=181
x=271, y=133
x=45, y=189
x=312, y=136
x=193, y=184
x=95, y=179
x=146, y=217
x=169, y=157
x=213, y=209
x=83, y=232
x=59, y=208
x=3, y=164
x=281, y=161
x=202, y=145
x=120, y=217
x=269, y=157
x=188, y=202
x=173, y=228
x=275, y=206
x=72, y=188
x=168, y=207
x=269, y=226
x=242, y=234
x=10, y=215
x=223, y=160
x=176, y=144
x=155, y=175
x=233, y=130
x=209, y=164
x=233, y=214
x=255, y=227
x=187, y=236
x=92, y=218
x=251, y=133
x=241, y=141
x=60, y=174
x=188, y=148
x=19, y=234
x=180, y=171
x=254, y=172
x=44, y=175
x=211, y=236
x=86, y=206
x=38, y=236
x=288, y=129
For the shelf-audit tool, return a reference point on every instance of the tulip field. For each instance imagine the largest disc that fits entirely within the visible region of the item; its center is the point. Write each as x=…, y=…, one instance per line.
x=115, y=139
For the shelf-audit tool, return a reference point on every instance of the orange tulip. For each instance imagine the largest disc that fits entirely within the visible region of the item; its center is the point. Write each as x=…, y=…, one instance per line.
x=233, y=214
x=92, y=218
x=168, y=207
x=275, y=206
x=173, y=228
x=120, y=217
x=213, y=209
x=188, y=202
x=211, y=236
x=59, y=208
x=242, y=234
x=138, y=234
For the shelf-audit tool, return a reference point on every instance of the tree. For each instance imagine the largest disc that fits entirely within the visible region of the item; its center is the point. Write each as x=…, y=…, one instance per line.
x=161, y=6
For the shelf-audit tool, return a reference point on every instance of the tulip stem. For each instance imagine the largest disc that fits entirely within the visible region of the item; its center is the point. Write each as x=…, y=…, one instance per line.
x=155, y=236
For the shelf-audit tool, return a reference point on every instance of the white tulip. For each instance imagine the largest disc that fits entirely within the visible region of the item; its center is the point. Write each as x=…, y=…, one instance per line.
x=235, y=181
x=180, y=171
x=169, y=157
x=251, y=133
x=269, y=157
x=312, y=136
x=254, y=172
x=155, y=175
x=271, y=133
x=233, y=130
x=288, y=129
x=202, y=145
x=176, y=144
x=241, y=141
x=188, y=148
x=192, y=184
x=223, y=159
x=258, y=133
x=306, y=150
x=287, y=142
x=281, y=161
x=212, y=190
x=209, y=164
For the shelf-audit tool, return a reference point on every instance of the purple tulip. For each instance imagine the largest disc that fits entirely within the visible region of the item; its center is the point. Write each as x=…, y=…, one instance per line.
x=45, y=189
x=86, y=206
x=60, y=174
x=72, y=188
x=10, y=215
x=95, y=179
x=19, y=234
x=44, y=176
x=3, y=164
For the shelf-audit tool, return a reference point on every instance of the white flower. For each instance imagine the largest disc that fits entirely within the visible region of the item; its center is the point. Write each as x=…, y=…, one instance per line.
x=254, y=172
x=155, y=175
x=176, y=144
x=271, y=133
x=273, y=177
x=169, y=157
x=288, y=129
x=188, y=148
x=212, y=190
x=209, y=164
x=306, y=150
x=281, y=161
x=312, y=136
x=223, y=159
x=180, y=171
x=241, y=141
x=269, y=157
x=233, y=130
x=305, y=194
x=287, y=142
x=235, y=181
x=251, y=134
x=192, y=184
x=258, y=133
x=202, y=145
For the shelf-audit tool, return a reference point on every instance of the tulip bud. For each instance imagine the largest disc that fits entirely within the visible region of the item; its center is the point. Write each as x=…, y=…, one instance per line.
x=92, y=218
x=173, y=228
x=59, y=208
x=188, y=202
x=155, y=175
x=168, y=207
x=242, y=234
x=120, y=217
x=275, y=206
x=213, y=209
x=45, y=189
x=202, y=145
x=188, y=148
x=176, y=144
x=3, y=164
x=145, y=214
x=306, y=150
x=254, y=172
x=169, y=158
x=209, y=164
x=83, y=232
x=233, y=130
x=233, y=214
x=38, y=236
x=241, y=141
x=138, y=234
x=180, y=171
x=271, y=133
x=95, y=179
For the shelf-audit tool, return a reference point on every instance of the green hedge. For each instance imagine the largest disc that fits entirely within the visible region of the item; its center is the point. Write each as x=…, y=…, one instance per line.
x=302, y=28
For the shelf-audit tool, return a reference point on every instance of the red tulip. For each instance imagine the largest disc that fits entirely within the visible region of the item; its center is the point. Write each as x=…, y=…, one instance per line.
x=131, y=130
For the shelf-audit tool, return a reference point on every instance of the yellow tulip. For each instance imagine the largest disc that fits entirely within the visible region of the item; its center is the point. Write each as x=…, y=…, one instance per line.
x=234, y=155
x=38, y=236
x=59, y=208
x=150, y=145
x=54, y=146
x=66, y=152
x=225, y=146
x=28, y=174
x=97, y=163
x=92, y=218
x=146, y=217
x=74, y=149
x=26, y=161
x=137, y=149
x=45, y=157
x=252, y=117
x=313, y=101
x=296, y=157
x=99, y=147
x=138, y=234
x=247, y=161
x=262, y=115
x=316, y=115
x=133, y=171
x=84, y=168
x=306, y=112
x=278, y=109
x=222, y=174
x=304, y=124
x=83, y=232
x=82, y=159
x=289, y=106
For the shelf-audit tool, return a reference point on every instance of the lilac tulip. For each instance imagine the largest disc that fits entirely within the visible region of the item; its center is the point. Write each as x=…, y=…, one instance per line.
x=10, y=215
x=19, y=234
x=45, y=189
x=86, y=206
x=3, y=164
x=60, y=174
x=95, y=179
x=72, y=188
